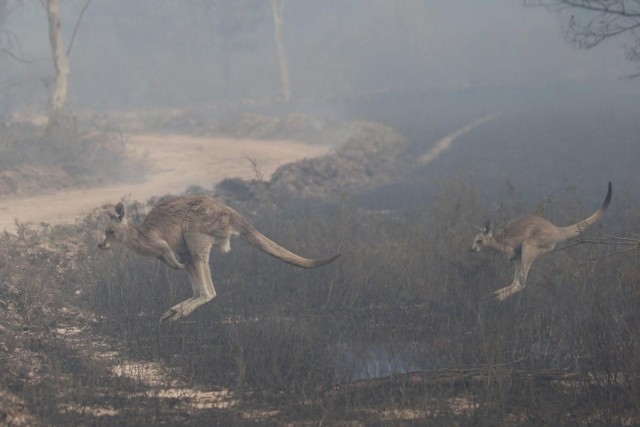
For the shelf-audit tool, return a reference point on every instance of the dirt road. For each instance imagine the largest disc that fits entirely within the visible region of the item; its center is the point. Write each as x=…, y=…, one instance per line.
x=175, y=162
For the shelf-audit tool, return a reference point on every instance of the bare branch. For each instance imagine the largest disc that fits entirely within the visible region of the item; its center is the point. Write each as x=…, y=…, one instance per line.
x=77, y=26
x=598, y=20
x=257, y=170
x=14, y=56
x=609, y=7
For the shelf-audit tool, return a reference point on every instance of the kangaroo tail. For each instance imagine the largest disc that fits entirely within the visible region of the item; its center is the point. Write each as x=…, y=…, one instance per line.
x=577, y=229
x=248, y=233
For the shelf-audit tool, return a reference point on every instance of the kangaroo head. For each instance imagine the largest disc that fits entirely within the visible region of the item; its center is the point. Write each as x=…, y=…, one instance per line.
x=483, y=238
x=116, y=227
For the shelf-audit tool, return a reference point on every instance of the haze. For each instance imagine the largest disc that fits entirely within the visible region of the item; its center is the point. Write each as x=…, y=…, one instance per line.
x=179, y=54
x=425, y=68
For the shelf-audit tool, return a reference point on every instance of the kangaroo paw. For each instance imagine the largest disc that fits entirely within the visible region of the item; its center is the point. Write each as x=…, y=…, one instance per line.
x=177, y=266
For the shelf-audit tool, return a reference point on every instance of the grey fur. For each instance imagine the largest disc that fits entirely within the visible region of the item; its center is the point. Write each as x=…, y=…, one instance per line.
x=526, y=238
x=181, y=232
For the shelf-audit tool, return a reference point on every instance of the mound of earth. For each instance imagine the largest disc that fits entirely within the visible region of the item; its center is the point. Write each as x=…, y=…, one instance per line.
x=373, y=155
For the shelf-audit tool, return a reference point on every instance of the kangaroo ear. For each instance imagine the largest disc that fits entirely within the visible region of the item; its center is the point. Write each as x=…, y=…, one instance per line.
x=487, y=227
x=120, y=211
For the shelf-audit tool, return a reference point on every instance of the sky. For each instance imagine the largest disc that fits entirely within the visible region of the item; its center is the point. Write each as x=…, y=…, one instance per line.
x=164, y=53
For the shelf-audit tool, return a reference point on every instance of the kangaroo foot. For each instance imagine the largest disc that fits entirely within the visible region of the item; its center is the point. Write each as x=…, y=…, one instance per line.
x=504, y=293
x=170, y=314
x=173, y=314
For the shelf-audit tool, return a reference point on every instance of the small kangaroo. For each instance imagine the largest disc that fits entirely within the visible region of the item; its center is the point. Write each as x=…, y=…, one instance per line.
x=181, y=232
x=526, y=238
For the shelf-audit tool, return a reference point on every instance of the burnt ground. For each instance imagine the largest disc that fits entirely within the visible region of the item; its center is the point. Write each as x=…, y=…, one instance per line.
x=80, y=345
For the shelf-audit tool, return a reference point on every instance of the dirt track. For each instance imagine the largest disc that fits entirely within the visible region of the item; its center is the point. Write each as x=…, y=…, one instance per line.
x=176, y=162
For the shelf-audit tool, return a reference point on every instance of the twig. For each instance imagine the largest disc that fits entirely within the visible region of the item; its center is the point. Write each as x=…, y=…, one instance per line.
x=77, y=26
x=612, y=253
x=257, y=171
x=462, y=374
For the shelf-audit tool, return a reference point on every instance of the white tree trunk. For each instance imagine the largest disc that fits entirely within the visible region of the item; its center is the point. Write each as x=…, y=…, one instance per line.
x=60, y=58
x=277, y=7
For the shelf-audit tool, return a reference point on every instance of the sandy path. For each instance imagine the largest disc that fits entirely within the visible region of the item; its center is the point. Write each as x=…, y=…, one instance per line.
x=176, y=162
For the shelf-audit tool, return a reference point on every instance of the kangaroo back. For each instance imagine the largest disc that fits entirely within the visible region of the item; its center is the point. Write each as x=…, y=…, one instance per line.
x=248, y=233
x=577, y=229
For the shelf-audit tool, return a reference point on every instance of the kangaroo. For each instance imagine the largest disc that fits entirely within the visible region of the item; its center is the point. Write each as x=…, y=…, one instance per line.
x=526, y=238
x=181, y=232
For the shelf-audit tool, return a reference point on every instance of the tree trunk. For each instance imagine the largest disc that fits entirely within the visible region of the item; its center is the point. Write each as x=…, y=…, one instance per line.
x=277, y=7
x=60, y=59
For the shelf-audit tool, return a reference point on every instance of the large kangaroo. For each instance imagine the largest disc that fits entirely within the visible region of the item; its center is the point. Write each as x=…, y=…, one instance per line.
x=181, y=231
x=526, y=238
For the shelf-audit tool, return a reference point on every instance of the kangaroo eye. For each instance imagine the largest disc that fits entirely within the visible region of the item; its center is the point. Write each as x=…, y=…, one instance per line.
x=109, y=232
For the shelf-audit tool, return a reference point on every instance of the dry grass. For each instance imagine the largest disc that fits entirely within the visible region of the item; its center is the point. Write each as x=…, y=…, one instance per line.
x=397, y=332
x=33, y=160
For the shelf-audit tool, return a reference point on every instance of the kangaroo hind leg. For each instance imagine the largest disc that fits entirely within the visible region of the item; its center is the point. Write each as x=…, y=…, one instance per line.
x=515, y=287
x=528, y=255
x=200, y=277
x=178, y=310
